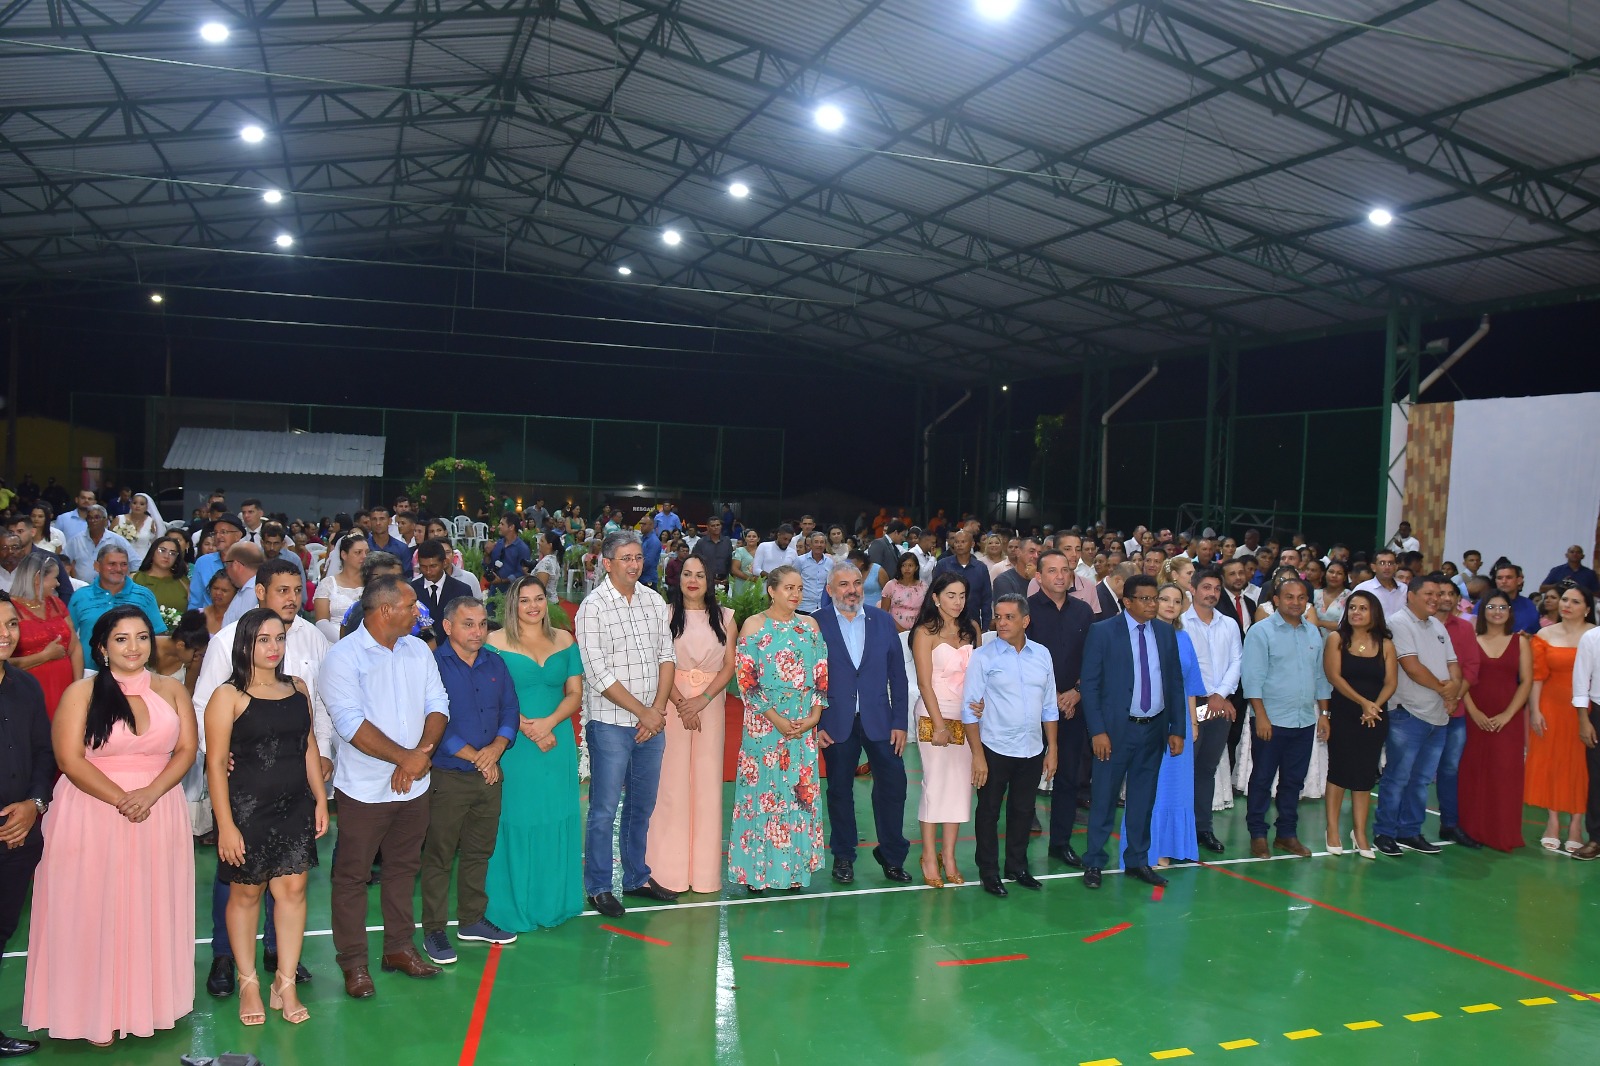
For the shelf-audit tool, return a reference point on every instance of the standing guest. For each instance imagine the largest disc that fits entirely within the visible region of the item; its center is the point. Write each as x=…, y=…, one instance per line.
x=1492, y=760
x=575, y=520
x=1288, y=693
x=1011, y=684
x=994, y=555
x=73, y=522
x=838, y=546
x=144, y=518
x=275, y=545
x=510, y=557
x=904, y=594
x=1024, y=573
x=47, y=644
x=885, y=550
x=241, y=564
x=1059, y=622
x=781, y=663
x=684, y=850
x=1172, y=817
x=1360, y=663
x=83, y=549
x=1586, y=698
x=1219, y=653
x=380, y=539
x=222, y=593
x=680, y=555
x=434, y=585
x=926, y=552
x=625, y=638
x=226, y=530
x=1403, y=541
x=1464, y=641
x=266, y=785
x=535, y=878
x=717, y=550
x=436, y=529
x=778, y=551
x=1108, y=592
x=165, y=574
x=1179, y=571
x=742, y=568
x=1524, y=612
x=253, y=515
x=548, y=568
x=389, y=706
x=1429, y=686
x=1384, y=584
x=338, y=592
x=814, y=568
x=111, y=936
x=1327, y=602
x=1573, y=570
x=874, y=577
x=669, y=520
x=1549, y=602
x=1471, y=563
x=465, y=800
x=45, y=534
x=25, y=787
x=1557, y=777
x=111, y=588
x=942, y=642
x=20, y=527
x=867, y=710
x=979, y=589
x=652, y=552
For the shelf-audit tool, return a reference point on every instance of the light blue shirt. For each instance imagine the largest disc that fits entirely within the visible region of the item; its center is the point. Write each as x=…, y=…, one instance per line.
x=1018, y=690
x=854, y=633
x=1283, y=669
x=362, y=681
x=200, y=574
x=81, y=550
x=815, y=575
x=243, y=600
x=1158, y=703
x=70, y=525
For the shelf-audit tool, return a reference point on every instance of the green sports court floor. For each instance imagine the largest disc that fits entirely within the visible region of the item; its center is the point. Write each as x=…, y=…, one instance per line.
x=1466, y=957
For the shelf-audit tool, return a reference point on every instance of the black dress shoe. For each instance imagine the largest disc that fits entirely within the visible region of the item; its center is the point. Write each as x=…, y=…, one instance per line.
x=1147, y=874
x=1457, y=835
x=12, y=1048
x=1386, y=846
x=608, y=905
x=1091, y=877
x=651, y=890
x=1066, y=855
x=1026, y=880
x=893, y=873
x=994, y=887
x=1209, y=841
x=1418, y=843
x=844, y=871
x=220, y=981
x=1036, y=827
x=269, y=962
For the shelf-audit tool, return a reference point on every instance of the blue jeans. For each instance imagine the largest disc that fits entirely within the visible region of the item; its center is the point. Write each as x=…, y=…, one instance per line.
x=617, y=762
x=1455, y=739
x=220, y=946
x=1286, y=756
x=1412, y=753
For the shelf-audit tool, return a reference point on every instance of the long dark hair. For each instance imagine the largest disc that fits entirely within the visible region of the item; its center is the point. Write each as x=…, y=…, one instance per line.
x=244, y=643
x=1380, y=628
x=900, y=567
x=929, y=616
x=680, y=616
x=107, y=703
x=180, y=566
x=1483, y=615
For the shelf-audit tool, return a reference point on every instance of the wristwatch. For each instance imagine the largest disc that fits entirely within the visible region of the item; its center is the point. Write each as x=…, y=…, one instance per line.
x=41, y=804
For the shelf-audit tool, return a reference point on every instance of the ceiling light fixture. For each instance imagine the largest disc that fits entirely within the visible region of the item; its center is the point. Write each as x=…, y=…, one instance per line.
x=283, y=240
x=738, y=190
x=272, y=196
x=214, y=33
x=624, y=271
x=1380, y=216
x=156, y=298
x=672, y=237
x=829, y=117
x=253, y=134
x=638, y=488
x=996, y=9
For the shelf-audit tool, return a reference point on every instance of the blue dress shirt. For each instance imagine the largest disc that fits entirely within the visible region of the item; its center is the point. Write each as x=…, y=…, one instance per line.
x=205, y=568
x=509, y=561
x=652, y=560
x=396, y=548
x=362, y=681
x=82, y=551
x=1158, y=702
x=1018, y=690
x=483, y=704
x=815, y=575
x=70, y=525
x=666, y=522
x=1283, y=669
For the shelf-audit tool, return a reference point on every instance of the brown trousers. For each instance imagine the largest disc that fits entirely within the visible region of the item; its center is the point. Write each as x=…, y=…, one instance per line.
x=398, y=829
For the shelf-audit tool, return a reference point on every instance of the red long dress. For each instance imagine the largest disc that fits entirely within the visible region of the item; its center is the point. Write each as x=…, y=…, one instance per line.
x=1491, y=773
x=35, y=632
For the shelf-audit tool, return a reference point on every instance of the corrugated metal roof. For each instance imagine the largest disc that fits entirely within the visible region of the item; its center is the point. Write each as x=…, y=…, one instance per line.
x=255, y=452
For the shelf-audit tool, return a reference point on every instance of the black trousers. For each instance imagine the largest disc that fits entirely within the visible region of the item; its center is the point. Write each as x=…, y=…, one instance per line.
x=1593, y=755
x=1208, y=753
x=1073, y=745
x=888, y=796
x=1019, y=777
x=1236, y=730
x=16, y=873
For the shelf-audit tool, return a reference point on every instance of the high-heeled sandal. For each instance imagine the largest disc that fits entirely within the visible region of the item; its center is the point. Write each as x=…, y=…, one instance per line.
x=275, y=1000
x=254, y=1017
x=1365, y=853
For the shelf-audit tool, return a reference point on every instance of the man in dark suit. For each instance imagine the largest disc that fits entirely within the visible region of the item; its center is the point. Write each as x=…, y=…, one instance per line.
x=1238, y=602
x=1110, y=589
x=867, y=708
x=1061, y=623
x=1134, y=701
x=885, y=551
x=436, y=587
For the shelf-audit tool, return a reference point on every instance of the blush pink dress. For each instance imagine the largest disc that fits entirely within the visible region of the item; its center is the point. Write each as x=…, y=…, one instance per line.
x=946, y=771
x=111, y=937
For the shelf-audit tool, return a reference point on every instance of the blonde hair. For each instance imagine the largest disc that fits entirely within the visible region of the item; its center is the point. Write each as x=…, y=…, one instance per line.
x=1183, y=601
x=1170, y=568
x=512, y=623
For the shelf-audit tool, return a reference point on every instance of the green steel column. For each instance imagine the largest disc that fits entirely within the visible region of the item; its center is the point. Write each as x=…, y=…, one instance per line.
x=1391, y=356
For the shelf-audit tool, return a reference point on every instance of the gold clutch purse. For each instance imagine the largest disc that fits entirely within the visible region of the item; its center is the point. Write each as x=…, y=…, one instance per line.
x=958, y=735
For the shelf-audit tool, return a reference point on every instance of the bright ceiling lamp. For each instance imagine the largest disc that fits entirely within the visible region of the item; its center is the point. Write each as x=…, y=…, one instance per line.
x=996, y=9
x=214, y=33
x=1380, y=216
x=738, y=190
x=829, y=117
x=625, y=271
x=672, y=238
x=283, y=240
x=272, y=196
x=253, y=134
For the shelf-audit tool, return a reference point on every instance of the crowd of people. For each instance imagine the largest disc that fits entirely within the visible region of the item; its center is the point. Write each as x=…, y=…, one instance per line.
x=248, y=681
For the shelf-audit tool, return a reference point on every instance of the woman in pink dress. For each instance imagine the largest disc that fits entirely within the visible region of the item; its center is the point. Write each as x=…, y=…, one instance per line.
x=941, y=644
x=684, y=849
x=111, y=937
x=903, y=595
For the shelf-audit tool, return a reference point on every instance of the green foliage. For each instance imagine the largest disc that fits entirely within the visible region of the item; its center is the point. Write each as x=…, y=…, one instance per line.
x=752, y=601
x=472, y=560
x=449, y=467
x=494, y=603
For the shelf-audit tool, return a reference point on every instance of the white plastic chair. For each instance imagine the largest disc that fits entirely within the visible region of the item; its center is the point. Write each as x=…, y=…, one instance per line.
x=479, y=536
x=462, y=526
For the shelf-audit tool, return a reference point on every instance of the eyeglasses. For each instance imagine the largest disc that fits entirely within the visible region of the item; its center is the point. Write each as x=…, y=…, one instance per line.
x=1498, y=607
x=1143, y=599
x=166, y=551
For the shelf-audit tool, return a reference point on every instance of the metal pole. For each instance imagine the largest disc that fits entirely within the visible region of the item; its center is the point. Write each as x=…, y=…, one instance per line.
x=1391, y=341
x=11, y=397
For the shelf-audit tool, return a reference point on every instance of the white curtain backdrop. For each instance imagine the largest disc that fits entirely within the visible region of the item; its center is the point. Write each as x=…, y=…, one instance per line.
x=1524, y=480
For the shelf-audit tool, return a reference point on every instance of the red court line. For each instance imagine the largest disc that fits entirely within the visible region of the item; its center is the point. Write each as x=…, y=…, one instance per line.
x=1401, y=932
x=636, y=936
x=982, y=962
x=1113, y=931
x=797, y=962
x=480, y=1008
x=1157, y=893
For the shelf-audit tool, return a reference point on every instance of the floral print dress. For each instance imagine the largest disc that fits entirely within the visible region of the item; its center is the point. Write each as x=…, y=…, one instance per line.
x=776, y=837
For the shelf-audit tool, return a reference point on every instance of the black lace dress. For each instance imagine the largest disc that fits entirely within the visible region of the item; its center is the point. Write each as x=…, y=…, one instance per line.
x=268, y=791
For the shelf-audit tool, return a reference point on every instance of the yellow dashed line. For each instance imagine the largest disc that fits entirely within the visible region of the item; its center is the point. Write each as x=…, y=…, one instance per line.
x=1235, y=1045
x=1302, y=1034
x=1363, y=1025
x=1542, y=1001
x=1172, y=1053
x=1480, y=1008
x=1102, y=1062
x=1425, y=1016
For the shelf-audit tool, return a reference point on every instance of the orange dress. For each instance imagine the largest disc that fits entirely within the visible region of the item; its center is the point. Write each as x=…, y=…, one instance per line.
x=1557, y=774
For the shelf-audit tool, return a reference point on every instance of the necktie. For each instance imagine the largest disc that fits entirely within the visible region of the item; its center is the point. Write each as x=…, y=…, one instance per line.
x=1238, y=606
x=1144, y=672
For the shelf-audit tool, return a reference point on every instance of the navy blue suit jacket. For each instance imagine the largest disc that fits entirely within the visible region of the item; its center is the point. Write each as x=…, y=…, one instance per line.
x=1109, y=672
x=880, y=680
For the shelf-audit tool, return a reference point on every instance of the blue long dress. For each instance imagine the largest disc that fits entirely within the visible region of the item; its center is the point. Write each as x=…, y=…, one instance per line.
x=1172, y=818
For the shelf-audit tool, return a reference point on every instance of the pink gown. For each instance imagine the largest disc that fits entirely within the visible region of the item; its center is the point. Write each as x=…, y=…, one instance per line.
x=946, y=771
x=111, y=936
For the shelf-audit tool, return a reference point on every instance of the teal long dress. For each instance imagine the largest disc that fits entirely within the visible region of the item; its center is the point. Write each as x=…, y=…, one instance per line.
x=536, y=873
x=776, y=837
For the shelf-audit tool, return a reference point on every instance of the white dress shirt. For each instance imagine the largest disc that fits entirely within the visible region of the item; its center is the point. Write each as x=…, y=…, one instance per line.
x=1586, y=671
x=1393, y=600
x=1219, y=648
x=769, y=556
x=622, y=640
x=395, y=690
x=303, y=652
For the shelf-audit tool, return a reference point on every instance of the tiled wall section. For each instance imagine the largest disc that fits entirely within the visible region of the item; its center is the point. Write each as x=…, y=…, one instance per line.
x=1429, y=432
